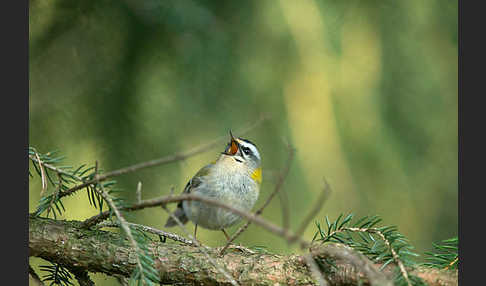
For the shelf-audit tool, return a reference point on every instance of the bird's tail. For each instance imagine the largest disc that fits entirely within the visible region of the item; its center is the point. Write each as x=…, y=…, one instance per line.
x=180, y=215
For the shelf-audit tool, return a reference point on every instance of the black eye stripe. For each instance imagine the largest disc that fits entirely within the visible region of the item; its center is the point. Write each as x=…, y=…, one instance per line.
x=247, y=149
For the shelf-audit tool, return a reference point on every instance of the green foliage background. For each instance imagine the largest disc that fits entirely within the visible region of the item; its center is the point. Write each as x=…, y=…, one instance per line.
x=366, y=91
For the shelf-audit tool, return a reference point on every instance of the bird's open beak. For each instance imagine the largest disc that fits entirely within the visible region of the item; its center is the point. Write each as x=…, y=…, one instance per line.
x=233, y=147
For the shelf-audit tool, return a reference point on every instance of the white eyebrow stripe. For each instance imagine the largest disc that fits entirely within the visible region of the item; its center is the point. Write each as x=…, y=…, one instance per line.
x=251, y=146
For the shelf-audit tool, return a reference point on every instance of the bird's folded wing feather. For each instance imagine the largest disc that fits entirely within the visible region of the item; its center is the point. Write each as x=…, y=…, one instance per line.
x=197, y=179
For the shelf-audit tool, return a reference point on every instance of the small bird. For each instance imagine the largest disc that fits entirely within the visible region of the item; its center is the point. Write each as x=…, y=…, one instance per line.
x=234, y=178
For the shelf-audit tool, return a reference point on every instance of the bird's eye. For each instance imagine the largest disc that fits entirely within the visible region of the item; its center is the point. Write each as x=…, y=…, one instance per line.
x=246, y=150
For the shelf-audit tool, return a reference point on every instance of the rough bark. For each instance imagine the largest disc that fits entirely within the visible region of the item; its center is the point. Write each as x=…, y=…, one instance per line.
x=66, y=242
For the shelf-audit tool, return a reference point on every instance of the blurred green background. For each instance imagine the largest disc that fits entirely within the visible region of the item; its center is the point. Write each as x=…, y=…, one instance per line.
x=366, y=91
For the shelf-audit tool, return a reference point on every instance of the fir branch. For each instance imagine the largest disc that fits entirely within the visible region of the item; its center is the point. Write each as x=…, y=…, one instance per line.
x=381, y=244
x=98, y=192
x=66, y=176
x=145, y=271
x=82, y=277
x=384, y=245
x=57, y=274
x=35, y=277
x=54, y=199
x=55, y=169
x=446, y=255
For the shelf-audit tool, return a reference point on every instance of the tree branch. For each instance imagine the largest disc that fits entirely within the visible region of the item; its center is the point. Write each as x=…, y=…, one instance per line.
x=66, y=242
x=356, y=259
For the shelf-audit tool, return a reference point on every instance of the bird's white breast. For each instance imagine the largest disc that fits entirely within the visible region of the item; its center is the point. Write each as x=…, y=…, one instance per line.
x=227, y=182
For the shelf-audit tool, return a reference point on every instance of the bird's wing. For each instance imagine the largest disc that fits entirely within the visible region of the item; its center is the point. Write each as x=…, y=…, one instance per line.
x=197, y=179
x=191, y=185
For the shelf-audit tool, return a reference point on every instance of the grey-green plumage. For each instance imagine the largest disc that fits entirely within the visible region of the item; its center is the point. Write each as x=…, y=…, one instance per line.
x=229, y=180
x=193, y=183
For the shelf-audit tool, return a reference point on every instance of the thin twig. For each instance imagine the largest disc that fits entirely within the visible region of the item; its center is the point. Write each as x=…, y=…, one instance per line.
x=395, y=257
x=278, y=186
x=287, y=234
x=314, y=269
x=358, y=260
x=139, y=192
x=43, y=174
x=284, y=203
x=53, y=168
x=193, y=197
x=149, y=229
x=160, y=161
x=202, y=248
x=452, y=263
x=300, y=231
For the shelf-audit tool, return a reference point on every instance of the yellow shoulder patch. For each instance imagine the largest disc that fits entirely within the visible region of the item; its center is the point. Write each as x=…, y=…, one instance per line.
x=257, y=175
